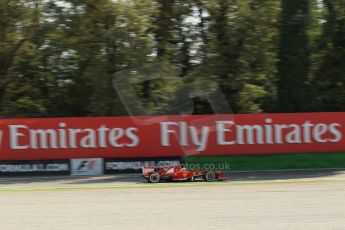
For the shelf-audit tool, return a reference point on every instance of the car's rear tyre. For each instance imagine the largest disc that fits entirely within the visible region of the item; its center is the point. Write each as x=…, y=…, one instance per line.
x=210, y=176
x=154, y=178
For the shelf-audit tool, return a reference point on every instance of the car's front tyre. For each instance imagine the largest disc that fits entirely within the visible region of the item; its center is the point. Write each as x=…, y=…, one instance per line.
x=154, y=178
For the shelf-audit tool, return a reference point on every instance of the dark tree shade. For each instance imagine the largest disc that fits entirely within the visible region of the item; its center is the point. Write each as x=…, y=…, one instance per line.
x=293, y=67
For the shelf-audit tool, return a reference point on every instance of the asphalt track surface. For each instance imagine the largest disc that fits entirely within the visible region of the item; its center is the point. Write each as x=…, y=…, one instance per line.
x=258, y=200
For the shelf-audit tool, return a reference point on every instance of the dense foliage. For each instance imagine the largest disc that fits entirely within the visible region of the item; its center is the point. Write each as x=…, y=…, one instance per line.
x=57, y=58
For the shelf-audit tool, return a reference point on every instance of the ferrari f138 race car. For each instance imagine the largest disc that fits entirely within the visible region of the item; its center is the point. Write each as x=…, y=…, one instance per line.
x=178, y=173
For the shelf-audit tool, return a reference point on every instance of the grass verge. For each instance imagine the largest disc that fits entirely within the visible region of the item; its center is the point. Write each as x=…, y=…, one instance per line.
x=269, y=162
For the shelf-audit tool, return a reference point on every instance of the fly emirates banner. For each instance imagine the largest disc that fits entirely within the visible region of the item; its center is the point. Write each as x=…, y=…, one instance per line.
x=170, y=136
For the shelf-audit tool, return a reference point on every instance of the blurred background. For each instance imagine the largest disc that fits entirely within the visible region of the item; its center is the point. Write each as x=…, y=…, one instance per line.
x=57, y=58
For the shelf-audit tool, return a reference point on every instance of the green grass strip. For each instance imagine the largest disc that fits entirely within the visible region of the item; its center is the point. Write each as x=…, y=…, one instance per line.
x=271, y=162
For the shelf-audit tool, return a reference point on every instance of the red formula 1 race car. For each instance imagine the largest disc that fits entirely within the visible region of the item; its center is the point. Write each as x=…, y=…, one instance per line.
x=178, y=173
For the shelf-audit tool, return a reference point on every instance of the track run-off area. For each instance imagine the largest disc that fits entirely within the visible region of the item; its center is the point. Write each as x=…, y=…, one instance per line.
x=249, y=200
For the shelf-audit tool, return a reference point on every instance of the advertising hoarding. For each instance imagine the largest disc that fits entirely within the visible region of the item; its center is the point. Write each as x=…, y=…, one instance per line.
x=171, y=136
x=87, y=167
x=37, y=168
x=136, y=164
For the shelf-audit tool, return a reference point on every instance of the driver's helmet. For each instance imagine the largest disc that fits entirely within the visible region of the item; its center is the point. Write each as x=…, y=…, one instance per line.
x=180, y=167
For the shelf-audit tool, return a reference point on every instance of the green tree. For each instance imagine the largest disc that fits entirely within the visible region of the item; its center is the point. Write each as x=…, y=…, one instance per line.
x=294, y=57
x=329, y=82
x=21, y=77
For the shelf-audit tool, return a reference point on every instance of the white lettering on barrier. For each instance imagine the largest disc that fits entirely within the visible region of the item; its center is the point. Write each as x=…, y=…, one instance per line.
x=13, y=168
x=229, y=133
x=22, y=137
x=184, y=133
x=63, y=137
